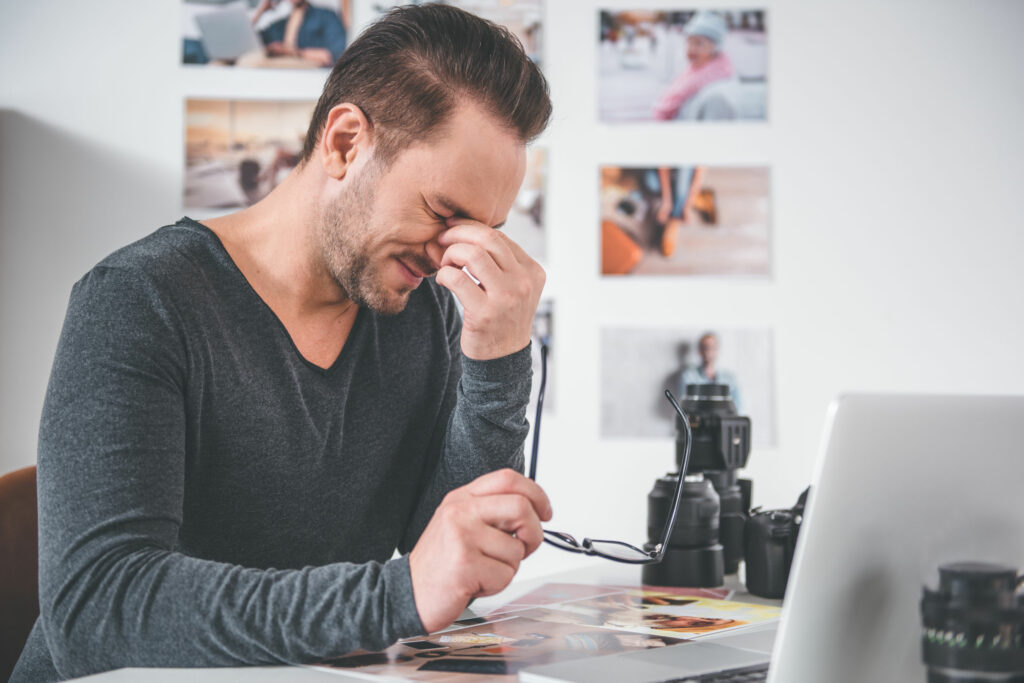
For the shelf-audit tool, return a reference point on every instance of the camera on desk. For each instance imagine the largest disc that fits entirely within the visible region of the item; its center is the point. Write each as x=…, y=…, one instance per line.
x=769, y=539
x=713, y=529
x=707, y=540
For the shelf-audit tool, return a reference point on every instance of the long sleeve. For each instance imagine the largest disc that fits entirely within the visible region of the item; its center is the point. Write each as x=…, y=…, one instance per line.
x=485, y=428
x=115, y=589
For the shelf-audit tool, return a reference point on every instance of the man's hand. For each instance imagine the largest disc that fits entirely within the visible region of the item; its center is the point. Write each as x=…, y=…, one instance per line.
x=498, y=313
x=474, y=543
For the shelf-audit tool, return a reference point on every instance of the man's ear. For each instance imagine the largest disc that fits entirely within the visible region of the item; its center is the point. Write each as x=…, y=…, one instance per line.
x=346, y=135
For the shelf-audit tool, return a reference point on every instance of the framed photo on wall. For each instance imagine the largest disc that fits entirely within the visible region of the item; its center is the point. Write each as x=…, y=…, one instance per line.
x=685, y=220
x=637, y=365
x=237, y=151
x=287, y=34
x=690, y=64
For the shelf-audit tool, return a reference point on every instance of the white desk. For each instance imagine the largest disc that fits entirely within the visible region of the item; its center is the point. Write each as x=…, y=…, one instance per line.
x=602, y=572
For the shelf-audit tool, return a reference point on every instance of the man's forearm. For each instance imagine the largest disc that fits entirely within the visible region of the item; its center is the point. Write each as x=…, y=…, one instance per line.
x=152, y=607
x=485, y=432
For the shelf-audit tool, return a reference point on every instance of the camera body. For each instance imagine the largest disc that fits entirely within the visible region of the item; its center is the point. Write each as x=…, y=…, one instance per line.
x=721, y=446
x=721, y=437
x=769, y=539
x=708, y=538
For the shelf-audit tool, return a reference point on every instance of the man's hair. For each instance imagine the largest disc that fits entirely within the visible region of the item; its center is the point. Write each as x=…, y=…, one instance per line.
x=410, y=70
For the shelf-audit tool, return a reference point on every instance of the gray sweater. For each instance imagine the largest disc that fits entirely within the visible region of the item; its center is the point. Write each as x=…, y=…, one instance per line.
x=207, y=497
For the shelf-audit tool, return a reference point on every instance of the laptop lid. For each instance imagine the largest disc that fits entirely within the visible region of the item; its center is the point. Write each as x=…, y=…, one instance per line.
x=904, y=484
x=227, y=34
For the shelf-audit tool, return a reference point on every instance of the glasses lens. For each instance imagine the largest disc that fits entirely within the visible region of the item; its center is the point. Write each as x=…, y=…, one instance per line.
x=617, y=550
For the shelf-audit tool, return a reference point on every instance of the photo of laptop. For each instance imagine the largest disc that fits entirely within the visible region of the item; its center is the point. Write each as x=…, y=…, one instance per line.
x=903, y=484
x=227, y=34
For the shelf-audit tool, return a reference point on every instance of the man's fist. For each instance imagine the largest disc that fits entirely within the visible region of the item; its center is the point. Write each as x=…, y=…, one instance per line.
x=474, y=543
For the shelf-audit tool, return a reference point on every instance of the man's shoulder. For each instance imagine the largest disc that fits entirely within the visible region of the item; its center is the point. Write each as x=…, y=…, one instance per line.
x=169, y=255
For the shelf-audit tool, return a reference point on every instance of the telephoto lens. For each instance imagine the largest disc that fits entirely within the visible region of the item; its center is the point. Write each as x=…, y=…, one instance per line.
x=973, y=625
x=694, y=557
x=733, y=516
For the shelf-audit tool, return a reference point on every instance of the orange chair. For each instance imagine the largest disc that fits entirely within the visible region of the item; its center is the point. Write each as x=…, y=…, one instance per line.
x=19, y=564
x=619, y=253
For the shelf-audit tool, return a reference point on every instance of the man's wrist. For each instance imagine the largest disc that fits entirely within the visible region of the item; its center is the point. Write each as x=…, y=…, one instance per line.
x=513, y=366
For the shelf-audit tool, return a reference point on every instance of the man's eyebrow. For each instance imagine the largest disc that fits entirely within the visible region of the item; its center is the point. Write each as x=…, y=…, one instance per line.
x=456, y=210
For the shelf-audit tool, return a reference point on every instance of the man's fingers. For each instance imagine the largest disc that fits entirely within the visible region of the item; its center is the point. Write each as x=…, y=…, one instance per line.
x=512, y=514
x=462, y=286
x=477, y=259
x=510, y=481
x=501, y=546
x=489, y=239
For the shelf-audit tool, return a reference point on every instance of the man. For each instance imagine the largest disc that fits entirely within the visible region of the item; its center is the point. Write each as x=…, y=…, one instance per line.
x=315, y=34
x=708, y=372
x=247, y=417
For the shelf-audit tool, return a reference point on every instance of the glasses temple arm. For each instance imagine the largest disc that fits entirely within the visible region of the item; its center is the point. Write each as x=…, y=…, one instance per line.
x=540, y=408
x=670, y=525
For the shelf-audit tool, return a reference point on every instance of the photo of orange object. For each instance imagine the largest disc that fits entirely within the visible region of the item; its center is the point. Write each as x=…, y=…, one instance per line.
x=685, y=220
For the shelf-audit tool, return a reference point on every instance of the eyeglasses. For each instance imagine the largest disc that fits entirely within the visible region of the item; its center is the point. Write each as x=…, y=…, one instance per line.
x=619, y=551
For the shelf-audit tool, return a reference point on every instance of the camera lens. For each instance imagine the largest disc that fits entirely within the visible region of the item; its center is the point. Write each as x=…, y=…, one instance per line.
x=694, y=556
x=732, y=518
x=973, y=625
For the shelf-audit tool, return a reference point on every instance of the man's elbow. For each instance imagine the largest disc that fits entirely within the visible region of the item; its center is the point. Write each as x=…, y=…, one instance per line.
x=73, y=644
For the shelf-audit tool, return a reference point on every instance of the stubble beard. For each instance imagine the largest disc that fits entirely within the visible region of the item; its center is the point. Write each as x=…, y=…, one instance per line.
x=346, y=229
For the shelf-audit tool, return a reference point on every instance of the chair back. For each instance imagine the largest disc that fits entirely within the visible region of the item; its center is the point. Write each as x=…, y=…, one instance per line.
x=19, y=564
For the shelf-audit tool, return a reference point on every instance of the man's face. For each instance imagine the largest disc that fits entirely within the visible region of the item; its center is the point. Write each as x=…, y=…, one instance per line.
x=699, y=50
x=709, y=350
x=378, y=237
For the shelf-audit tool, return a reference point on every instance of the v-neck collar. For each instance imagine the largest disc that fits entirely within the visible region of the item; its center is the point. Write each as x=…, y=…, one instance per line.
x=360, y=312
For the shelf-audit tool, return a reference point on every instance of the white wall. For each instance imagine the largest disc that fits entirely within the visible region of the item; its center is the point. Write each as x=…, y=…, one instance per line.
x=897, y=163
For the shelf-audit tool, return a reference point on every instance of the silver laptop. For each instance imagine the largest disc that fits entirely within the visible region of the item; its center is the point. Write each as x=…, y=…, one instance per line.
x=903, y=484
x=227, y=34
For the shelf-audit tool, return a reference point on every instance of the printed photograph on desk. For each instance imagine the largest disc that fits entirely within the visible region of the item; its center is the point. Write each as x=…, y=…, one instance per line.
x=686, y=220
x=639, y=364
x=494, y=651
x=284, y=34
x=237, y=151
x=551, y=594
x=691, y=65
x=656, y=613
x=524, y=18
